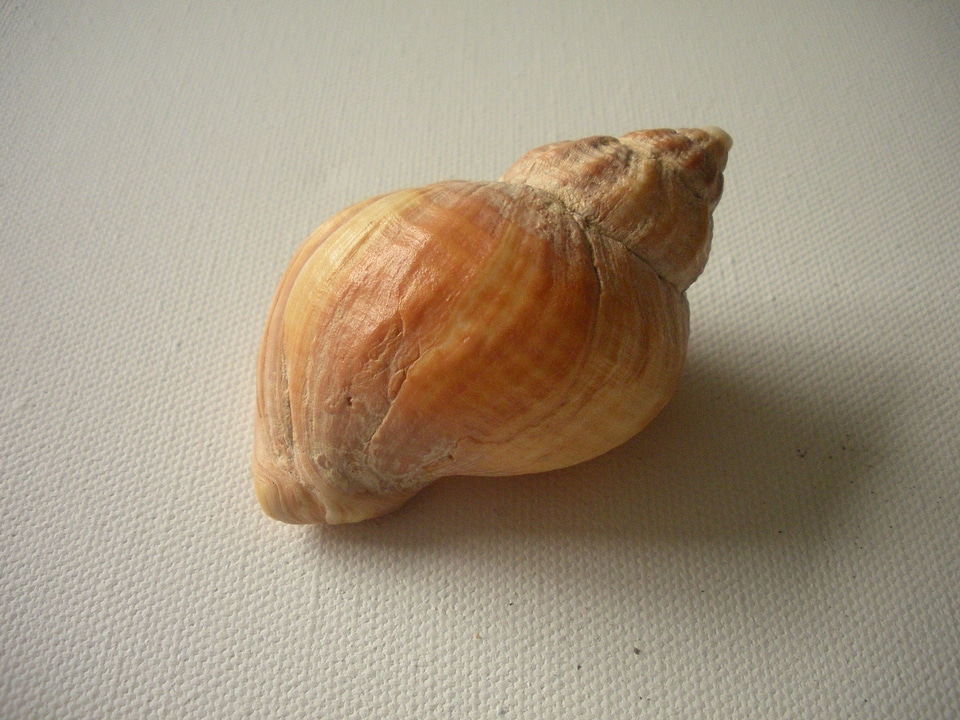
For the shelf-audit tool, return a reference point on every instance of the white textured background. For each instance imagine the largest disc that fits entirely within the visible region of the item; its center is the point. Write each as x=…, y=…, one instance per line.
x=783, y=542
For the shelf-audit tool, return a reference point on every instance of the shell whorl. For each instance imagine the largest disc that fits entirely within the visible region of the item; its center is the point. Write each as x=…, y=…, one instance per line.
x=651, y=190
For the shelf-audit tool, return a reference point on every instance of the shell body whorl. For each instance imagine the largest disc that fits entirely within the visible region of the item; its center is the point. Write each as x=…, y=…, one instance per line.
x=492, y=328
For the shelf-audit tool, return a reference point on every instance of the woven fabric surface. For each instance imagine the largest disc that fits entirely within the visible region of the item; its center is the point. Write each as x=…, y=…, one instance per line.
x=781, y=542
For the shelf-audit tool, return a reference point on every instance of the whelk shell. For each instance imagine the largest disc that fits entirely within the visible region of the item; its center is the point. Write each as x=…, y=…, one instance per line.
x=483, y=328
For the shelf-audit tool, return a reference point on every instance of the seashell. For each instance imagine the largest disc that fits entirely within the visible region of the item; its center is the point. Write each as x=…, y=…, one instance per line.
x=483, y=328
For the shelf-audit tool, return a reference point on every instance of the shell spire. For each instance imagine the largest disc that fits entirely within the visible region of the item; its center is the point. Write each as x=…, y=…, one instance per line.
x=654, y=191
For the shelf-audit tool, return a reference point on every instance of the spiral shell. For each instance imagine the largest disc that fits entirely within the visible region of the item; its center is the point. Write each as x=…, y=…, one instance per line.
x=483, y=328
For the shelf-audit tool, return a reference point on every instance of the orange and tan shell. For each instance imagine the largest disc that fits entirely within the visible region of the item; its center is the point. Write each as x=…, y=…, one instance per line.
x=483, y=328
